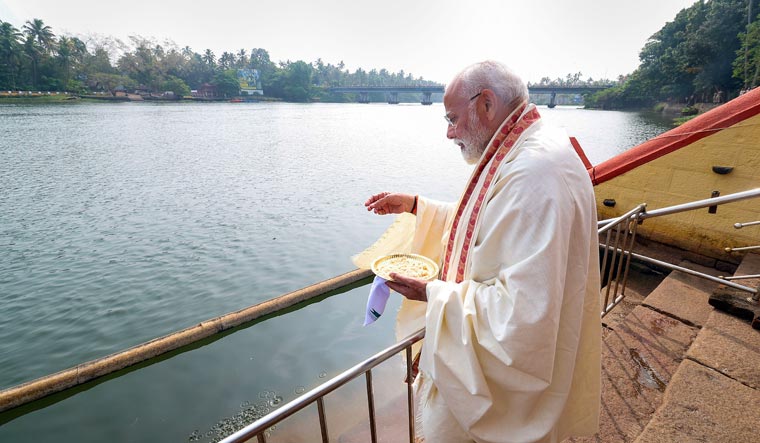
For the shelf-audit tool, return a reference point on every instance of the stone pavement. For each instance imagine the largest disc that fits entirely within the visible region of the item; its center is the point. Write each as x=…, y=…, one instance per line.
x=714, y=395
x=676, y=370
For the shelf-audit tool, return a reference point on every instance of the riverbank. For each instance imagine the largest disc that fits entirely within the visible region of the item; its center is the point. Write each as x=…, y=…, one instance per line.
x=682, y=112
x=46, y=98
x=35, y=97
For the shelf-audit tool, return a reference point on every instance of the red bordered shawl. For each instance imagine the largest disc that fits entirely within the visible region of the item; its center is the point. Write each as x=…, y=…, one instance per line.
x=490, y=162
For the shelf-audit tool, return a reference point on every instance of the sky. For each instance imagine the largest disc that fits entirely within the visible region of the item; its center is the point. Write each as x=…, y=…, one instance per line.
x=433, y=39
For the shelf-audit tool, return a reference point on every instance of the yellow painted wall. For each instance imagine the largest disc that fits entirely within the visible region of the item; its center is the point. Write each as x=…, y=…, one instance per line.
x=686, y=175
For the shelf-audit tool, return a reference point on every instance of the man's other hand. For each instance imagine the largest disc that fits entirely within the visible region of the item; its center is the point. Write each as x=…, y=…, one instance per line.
x=411, y=288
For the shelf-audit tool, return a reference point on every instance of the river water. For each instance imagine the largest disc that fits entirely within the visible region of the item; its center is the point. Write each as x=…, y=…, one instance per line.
x=123, y=222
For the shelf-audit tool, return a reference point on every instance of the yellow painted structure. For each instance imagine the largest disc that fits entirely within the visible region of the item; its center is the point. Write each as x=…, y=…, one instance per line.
x=686, y=174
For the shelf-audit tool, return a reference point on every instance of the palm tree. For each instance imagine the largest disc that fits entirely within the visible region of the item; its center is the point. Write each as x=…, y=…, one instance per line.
x=41, y=33
x=10, y=47
x=209, y=58
x=65, y=53
x=39, y=42
x=80, y=48
x=242, y=59
x=227, y=60
x=34, y=52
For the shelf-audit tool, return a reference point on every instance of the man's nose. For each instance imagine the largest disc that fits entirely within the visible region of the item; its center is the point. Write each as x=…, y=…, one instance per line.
x=451, y=131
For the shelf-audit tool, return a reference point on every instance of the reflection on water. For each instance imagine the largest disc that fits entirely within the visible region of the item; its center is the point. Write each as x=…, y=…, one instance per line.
x=604, y=134
x=123, y=222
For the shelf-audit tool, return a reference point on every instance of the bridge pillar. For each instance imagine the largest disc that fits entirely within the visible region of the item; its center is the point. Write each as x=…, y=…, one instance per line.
x=553, y=101
x=392, y=98
x=363, y=97
x=426, y=100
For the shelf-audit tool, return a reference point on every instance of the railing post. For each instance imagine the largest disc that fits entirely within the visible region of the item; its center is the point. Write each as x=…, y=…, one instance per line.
x=619, y=263
x=322, y=420
x=632, y=244
x=409, y=393
x=371, y=407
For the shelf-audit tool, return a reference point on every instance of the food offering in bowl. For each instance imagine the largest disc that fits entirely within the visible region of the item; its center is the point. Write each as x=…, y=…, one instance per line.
x=409, y=265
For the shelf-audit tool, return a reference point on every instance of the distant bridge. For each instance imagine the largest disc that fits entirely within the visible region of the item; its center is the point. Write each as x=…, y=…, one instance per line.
x=554, y=90
x=393, y=91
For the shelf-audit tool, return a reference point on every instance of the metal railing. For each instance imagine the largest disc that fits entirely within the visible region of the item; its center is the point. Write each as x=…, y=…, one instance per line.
x=698, y=204
x=746, y=248
x=616, y=258
x=741, y=225
x=637, y=216
x=258, y=428
x=620, y=237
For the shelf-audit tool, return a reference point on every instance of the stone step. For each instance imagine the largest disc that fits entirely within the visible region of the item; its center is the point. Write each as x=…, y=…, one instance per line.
x=639, y=357
x=738, y=302
x=702, y=405
x=730, y=346
x=714, y=395
x=685, y=296
x=641, y=281
x=643, y=345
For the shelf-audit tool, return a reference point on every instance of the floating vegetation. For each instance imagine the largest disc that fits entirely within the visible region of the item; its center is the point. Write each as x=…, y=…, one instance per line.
x=249, y=412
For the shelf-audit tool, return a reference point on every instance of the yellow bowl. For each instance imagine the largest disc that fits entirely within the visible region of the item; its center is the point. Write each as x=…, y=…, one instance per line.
x=410, y=265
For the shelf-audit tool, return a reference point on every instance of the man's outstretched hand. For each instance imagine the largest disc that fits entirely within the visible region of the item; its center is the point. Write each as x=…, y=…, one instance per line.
x=411, y=288
x=390, y=203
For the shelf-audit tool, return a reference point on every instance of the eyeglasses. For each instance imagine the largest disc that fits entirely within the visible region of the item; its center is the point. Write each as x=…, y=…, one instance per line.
x=453, y=122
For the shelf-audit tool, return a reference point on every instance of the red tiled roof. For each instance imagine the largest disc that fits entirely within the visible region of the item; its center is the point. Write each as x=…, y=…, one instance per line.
x=738, y=109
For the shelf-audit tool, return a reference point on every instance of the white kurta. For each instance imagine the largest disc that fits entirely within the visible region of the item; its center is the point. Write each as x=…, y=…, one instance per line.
x=513, y=351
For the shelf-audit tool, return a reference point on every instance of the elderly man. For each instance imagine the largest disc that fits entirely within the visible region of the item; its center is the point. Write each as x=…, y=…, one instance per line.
x=512, y=345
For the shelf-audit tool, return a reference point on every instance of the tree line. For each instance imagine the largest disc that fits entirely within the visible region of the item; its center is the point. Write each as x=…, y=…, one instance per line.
x=34, y=58
x=710, y=52
x=572, y=79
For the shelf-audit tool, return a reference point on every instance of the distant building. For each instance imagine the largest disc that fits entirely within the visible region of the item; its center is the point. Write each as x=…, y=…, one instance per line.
x=142, y=90
x=250, y=83
x=206, y=90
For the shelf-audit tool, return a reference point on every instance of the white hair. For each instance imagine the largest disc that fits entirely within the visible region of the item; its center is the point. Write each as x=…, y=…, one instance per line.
x=495, y=76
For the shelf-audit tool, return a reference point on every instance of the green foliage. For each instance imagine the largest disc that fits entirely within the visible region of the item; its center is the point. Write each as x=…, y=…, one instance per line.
x=76, y=86
x=297, y=82
x=692, y=58
x=608, y=98
x=681, y=120
x=102, y=81
x=572, y=80
x=10, y=53
x=747, y=63
x=35, y=58
x=226, y=83
x=177, y=86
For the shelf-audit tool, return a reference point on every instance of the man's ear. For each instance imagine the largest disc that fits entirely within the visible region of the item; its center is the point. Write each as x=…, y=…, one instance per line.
x=489, y=104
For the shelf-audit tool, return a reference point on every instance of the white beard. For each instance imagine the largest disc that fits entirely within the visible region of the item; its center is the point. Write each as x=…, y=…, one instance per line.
x=474, y=143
